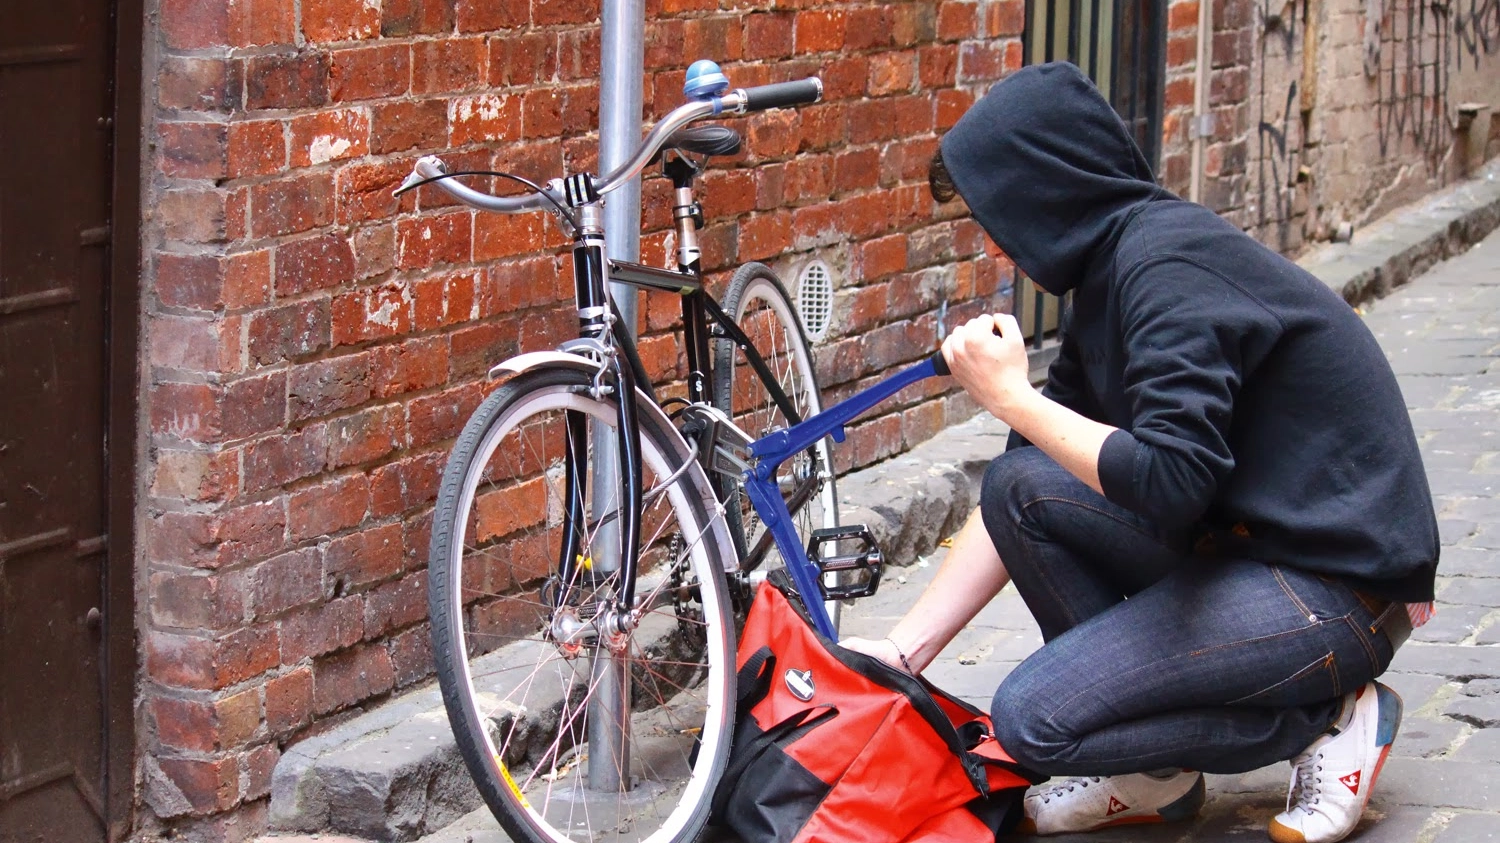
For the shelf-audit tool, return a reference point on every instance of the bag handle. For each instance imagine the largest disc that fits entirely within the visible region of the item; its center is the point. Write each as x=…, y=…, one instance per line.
x=753, y=681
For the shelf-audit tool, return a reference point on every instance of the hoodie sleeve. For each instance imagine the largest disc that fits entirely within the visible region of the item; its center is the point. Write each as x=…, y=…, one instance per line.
x=1189, y=336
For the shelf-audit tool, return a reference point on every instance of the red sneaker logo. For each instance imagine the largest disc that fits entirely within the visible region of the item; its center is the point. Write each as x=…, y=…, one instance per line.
x=1351, y=781
x=1115, y=807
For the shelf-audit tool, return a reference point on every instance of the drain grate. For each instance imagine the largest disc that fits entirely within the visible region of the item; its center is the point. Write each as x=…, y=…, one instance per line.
x=815, y=299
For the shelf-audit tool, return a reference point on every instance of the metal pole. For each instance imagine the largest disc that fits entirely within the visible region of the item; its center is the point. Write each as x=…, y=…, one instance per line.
x=622, y=65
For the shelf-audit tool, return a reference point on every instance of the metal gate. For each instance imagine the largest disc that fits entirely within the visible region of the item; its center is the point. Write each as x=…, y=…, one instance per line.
x=62, y=623
x=1121, y=45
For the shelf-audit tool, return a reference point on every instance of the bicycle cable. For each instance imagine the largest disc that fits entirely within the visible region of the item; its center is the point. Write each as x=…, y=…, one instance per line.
x=562, y=210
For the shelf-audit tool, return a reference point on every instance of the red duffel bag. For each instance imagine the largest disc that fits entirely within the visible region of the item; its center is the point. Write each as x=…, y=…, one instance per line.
x=833, y=746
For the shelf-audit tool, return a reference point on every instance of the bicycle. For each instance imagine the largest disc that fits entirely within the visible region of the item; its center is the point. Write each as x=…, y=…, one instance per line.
x=584, y=635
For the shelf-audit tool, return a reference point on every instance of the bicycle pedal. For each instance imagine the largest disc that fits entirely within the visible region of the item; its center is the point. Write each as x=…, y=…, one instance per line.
x=857, y=573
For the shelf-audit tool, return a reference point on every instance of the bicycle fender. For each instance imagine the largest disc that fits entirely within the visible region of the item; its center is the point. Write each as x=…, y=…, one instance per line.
x=523, y=363
x=718, y=528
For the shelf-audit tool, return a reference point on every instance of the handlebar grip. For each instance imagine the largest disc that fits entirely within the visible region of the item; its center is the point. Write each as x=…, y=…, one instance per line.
x=784, y=94
x=940, y=365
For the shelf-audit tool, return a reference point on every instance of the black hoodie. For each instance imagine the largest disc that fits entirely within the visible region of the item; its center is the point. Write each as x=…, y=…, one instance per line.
x=1253, y=404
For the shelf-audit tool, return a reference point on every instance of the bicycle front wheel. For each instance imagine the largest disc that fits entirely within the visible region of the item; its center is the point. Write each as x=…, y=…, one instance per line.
x=573, y=728
x=761, y=307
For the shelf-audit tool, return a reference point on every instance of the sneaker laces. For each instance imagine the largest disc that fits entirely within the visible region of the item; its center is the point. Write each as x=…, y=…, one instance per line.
x=1068, y=785
x=1302, y=790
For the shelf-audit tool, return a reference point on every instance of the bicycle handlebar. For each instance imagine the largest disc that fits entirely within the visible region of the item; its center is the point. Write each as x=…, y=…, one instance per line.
x=738, y=101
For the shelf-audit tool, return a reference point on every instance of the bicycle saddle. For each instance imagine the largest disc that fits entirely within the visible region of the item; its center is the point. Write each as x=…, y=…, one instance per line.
x=703, y=140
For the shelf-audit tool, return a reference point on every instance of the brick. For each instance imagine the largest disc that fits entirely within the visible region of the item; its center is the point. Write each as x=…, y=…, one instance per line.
x=431, y=240
x=255, y=23
x=819, y=31
x=257, y=768
x=483, y=119
x=434, y=418
x=210, y=663
x=289, y=700
x=416, y=17
x=365, y=436
x=198, y=84
x=193, y=24
x=197, y=601
x=486, y=15
x=374, y=251
x=207, y=786
x=351, y=677
x=951, y=105
x=1004, y=17
x=291, y=205
x=327, y=386
x=340, y=20
x=285, y=457
x=1182, y=14
x=362, y=73
x=290, y=332
x=184, y=724
x=411, y=656
x=523, y=59
x=937, y=67
x=361, y=559
x=892, y=73
x=957, y=21
x=432, y=298
x=882, y=257
x=720, y=36
x=399, y=126
x=297, y=80
x=216, y=539
x=557, y=12
x=330, y=136
x=196, y=344
x=371, y=313
x=192, y=216
x=254, y=405
x=238, y=717
x=196, y=476
x=256, y=148
x=185, y=411
x=313, y=263
x=396, y=604
x=286, y=582
x=448, y=65
x=329, y=508
x=843, y=78
x=408, y=366
x=193, y=150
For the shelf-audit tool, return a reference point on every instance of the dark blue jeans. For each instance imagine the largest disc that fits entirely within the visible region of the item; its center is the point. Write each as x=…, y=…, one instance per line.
x=1156, y=657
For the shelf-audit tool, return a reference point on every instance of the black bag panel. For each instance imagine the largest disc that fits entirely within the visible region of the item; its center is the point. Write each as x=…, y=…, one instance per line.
x=773, y=795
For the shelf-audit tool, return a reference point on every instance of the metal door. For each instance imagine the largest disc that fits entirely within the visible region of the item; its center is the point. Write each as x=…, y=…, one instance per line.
x=56, y=67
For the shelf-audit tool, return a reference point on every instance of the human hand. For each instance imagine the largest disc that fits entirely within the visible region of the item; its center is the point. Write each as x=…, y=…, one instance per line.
x=884, y=649
x=987, y=355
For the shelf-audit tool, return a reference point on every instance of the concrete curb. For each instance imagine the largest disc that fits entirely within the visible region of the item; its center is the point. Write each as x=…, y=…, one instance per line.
x=1409, y=241
x=394, y=773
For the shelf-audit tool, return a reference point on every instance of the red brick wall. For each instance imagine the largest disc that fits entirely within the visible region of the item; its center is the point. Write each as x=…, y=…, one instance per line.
x=314, y=344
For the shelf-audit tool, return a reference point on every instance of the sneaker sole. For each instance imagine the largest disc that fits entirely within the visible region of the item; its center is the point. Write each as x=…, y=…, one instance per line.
x=1185, y=807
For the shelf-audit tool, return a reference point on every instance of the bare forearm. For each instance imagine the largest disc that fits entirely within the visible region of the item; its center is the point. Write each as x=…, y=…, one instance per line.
x=970, y=576
x=1067, y=437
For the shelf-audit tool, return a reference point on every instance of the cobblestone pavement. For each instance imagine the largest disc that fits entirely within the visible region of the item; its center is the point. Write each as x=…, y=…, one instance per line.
x=1442, y=783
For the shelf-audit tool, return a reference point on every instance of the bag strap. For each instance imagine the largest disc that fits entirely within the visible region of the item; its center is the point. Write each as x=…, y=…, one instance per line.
x=753, y=681
x=743, y=755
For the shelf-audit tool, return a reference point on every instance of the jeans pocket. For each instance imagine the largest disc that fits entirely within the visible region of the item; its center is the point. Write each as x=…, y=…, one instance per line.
x=1316, y=682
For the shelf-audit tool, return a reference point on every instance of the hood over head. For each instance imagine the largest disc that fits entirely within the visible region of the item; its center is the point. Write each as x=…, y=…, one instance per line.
x=1048, y=170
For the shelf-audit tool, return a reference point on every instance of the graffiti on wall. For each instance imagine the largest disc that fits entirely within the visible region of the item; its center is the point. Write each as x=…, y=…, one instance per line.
x=1476, y=29
x=1421, y=43
x=1278, y=139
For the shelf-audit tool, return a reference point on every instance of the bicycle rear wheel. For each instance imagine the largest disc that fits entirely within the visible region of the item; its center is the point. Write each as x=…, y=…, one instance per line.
x=518, y=662
x=761, y=307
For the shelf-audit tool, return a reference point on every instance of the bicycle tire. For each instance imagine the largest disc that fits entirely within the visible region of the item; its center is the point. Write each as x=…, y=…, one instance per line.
x=759, y=304
x=517, y=699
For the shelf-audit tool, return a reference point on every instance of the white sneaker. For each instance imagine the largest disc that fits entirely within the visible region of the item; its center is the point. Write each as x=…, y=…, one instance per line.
x=1088, y=803
x=1332, y=779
